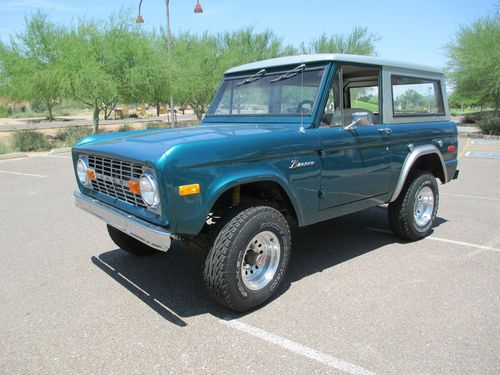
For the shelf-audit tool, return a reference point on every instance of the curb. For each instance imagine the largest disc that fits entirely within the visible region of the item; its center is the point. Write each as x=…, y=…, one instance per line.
x=60, y=150
x=478, y=136
x=14, y=155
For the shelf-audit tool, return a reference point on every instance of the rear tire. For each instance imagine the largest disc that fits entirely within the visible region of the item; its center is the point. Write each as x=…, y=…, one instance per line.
x=248, y=258
x=412, y=215
x=128, y=243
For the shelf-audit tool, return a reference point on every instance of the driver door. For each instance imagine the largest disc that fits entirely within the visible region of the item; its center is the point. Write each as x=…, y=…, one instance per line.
x=355, y=170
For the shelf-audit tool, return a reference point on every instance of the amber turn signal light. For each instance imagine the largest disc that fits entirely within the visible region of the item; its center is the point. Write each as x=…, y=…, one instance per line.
x=91, y=174
x=133, y=186
x=189, y=189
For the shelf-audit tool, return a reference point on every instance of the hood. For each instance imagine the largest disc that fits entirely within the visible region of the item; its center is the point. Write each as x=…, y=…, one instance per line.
x=151, y=145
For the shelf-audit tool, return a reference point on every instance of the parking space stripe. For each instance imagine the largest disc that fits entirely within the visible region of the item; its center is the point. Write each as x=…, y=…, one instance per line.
x=433, y=238
x=471, y=196
x=463, y=243
x=133, y=284
x=297, y=348
x=22, y=174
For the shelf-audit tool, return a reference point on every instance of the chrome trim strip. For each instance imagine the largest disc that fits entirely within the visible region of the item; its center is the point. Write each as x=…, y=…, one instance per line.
x=408, y=163
x=141, y=230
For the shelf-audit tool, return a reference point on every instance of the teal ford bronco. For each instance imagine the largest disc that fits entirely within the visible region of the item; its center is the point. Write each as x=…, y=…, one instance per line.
x=292, y=140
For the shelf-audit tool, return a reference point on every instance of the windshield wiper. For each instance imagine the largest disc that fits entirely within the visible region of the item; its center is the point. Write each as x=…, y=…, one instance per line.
x=290, y=73
x=252, y=78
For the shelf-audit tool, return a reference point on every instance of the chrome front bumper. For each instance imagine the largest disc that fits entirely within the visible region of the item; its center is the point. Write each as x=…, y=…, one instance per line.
x=141, y=230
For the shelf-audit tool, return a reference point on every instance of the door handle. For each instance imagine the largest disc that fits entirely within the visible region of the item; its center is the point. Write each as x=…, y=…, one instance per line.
x=385, y=131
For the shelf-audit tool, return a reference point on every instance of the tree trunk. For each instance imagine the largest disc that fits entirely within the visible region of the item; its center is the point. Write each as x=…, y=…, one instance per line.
x=49, y=108
x=95, y=117
x=157, y=109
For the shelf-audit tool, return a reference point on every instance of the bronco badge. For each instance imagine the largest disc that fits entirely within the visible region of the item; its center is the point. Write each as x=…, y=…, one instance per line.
x=300, y=164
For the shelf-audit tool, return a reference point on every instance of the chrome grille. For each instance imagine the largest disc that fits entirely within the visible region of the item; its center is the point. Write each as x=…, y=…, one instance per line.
x=112, y=177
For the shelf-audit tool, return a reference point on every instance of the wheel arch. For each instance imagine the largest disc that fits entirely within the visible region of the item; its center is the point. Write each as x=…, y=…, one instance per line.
x=426, y=158
x=270, y=186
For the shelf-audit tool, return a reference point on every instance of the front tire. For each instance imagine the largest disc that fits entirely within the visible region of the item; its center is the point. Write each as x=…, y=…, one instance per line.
x=248, y=259
x=129, y=244
x=412, y=215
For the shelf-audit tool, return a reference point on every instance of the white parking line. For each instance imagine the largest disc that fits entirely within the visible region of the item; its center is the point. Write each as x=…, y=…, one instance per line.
x=133, y=284
x=483, y=154
x=23, y=174
x=297, y=348
x=471, y=196
x=463, y=243
x=468, y=244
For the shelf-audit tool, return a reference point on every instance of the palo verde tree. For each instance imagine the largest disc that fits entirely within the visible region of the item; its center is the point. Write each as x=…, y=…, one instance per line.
x=195, y=75
x=358, y=42
x=473, y=60
x=151, y=77
x=31, y=68
x=85, y=67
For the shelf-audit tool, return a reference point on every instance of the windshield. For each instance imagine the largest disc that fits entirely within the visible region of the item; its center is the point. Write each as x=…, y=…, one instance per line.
x=290, y=93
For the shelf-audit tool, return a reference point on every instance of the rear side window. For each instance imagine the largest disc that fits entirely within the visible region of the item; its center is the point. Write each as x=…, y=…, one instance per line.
x=416, y=96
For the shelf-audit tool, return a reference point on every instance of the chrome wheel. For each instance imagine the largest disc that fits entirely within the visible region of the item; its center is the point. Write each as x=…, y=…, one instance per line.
x=424, y=206
x=260, y=260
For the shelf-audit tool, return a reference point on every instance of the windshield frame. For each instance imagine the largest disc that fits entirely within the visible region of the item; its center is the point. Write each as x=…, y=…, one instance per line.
x=268, y=117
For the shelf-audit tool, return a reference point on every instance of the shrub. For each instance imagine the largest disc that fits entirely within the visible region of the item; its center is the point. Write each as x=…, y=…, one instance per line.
x=125, y=128
x=133, y=115
x=490, y=125
x=30, y=140
x=4, y=149
x=67, y=137
x=153, y=125
x=38, y=106
x=470, y=118
x=4, y=111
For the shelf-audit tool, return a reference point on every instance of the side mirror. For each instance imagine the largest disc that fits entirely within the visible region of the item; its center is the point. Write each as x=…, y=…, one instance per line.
x=358, y=118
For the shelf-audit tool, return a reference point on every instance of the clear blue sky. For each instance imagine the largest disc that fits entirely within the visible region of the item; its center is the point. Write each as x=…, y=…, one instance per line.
x=410, y=30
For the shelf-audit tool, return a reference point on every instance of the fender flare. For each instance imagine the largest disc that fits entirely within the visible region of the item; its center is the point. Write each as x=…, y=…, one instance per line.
x=411, y=158
x=240, y=180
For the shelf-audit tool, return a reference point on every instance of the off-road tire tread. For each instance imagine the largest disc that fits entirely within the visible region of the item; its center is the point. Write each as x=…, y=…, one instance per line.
x=401, y=209
x=215, y=273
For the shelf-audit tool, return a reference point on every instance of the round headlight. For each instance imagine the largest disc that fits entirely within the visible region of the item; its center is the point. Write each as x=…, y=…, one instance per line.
x=149, y=190
x=81, y=170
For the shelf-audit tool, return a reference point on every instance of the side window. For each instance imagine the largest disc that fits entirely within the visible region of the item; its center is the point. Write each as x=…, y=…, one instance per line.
x=416, y=96
x=364, y=98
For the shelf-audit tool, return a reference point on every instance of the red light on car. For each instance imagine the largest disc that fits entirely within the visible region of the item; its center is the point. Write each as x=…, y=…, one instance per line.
x=451, y=148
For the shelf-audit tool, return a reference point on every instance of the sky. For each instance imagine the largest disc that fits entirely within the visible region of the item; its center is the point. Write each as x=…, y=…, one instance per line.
x=414, y=31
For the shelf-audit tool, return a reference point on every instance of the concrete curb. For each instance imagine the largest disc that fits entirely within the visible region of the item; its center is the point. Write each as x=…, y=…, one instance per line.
x=14, y=155
x=60, y=150
x=478, y=136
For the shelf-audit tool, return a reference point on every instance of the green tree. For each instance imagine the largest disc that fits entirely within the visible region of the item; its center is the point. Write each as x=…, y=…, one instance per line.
x=87, y=79
x=196, y=70
x=151, y=77
x=473, y=60
x=245, y=46
x=358, y=42
x=30, y=68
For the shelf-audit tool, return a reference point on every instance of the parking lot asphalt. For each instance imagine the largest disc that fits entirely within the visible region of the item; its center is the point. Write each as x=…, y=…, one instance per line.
x=356, y=298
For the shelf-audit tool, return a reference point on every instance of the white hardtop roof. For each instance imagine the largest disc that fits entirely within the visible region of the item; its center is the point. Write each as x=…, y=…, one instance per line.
x=328, y=57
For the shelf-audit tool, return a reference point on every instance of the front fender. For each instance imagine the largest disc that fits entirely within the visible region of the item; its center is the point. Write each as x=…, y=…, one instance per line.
x=300, y=185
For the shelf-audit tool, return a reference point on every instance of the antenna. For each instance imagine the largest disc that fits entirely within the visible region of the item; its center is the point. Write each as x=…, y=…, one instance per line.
x=301, y=129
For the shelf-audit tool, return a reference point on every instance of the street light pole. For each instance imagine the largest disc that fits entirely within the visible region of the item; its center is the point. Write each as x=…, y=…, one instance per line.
x=169, y=45
x=140, y=19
